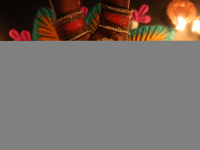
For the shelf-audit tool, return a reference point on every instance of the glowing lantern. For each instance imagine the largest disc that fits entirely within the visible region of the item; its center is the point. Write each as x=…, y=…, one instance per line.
x=181, y=24
x=196, y=25
x=181, y=12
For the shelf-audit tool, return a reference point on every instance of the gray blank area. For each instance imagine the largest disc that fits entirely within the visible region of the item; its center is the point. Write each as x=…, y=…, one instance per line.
x=97, y=96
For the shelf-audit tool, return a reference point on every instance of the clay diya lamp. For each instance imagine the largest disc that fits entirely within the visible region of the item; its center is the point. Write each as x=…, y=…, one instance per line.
x=181, y=12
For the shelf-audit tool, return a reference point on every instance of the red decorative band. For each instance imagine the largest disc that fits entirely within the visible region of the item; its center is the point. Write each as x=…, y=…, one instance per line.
x=114, y=19
x=70, y=28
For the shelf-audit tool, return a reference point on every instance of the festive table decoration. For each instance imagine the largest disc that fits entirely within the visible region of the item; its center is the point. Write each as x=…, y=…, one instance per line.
x=196, y=25
x=43, y=30
x=23, y=36
x=152, y=33
x=181, y=12
x=139, y=17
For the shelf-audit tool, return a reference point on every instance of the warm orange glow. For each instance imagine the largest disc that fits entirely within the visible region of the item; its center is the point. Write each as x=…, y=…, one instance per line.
x=196, y=25
x=181, y=24
x=181, y=8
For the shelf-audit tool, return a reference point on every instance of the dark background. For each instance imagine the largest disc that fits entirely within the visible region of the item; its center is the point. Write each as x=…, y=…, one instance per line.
x=20, y=14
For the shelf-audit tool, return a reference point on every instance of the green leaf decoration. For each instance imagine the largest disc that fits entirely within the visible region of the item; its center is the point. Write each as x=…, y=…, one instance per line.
x=42, y=29
x=152, y=33
x=92, y=18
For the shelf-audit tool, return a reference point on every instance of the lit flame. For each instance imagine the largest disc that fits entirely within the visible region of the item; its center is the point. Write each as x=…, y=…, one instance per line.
x=196, y=26
x=181, y=24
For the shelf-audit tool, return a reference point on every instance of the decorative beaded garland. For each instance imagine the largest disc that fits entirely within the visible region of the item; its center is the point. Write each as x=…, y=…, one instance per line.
x=70, y=28
x=80, y=34
x=116, y=29
x=117, y=10
x=67, y=18
x=113, y=19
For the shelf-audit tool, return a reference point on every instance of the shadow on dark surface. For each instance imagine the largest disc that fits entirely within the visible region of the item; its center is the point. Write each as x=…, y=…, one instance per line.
x=164, y=18
x=20, y=15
